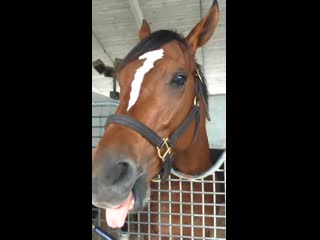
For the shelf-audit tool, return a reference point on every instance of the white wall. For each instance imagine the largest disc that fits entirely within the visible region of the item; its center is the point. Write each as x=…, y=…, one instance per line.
x=216, y=128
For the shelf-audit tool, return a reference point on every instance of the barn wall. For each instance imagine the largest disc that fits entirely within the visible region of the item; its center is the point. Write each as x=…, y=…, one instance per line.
x=216, y=128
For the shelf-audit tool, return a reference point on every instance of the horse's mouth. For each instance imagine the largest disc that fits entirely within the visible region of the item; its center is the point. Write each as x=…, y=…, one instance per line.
x=116, y=216
x=135, y=201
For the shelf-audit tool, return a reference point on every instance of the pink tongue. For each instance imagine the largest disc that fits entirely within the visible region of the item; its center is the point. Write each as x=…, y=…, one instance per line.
x=117, y=216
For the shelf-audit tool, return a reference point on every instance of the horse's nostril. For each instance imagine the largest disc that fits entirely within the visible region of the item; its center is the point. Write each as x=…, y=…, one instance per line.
x=122, y=172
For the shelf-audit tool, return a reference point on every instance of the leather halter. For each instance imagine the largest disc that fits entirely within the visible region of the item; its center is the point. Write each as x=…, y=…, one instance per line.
x=164, y=145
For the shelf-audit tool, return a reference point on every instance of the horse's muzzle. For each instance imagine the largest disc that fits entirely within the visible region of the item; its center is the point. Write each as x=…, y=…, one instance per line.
x=118, y=186
x=113, y=181
x=116, y=176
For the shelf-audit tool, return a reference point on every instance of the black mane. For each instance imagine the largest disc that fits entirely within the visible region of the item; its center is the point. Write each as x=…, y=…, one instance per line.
x=156, y=40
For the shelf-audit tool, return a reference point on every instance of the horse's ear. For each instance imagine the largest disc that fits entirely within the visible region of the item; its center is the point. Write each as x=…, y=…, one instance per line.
x=144, y=30
x=202, y=32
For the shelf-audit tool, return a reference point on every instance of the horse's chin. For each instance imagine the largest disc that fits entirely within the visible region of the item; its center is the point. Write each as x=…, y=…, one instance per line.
x=137, y=198
x=141, y=194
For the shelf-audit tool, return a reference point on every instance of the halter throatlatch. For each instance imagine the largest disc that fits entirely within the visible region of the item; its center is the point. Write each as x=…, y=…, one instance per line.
x=164, y=145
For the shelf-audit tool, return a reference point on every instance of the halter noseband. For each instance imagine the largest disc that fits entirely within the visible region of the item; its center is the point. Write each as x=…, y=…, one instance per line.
x=164, y=145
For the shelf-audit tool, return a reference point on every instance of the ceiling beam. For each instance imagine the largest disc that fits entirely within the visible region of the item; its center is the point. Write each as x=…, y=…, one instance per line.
x=102, y=47
x=136, y=11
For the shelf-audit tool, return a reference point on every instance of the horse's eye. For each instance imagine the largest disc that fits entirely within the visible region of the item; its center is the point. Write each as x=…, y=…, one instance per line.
x=178, y=80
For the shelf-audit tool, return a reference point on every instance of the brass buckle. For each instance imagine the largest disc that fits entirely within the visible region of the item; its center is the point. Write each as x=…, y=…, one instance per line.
x=198, y=74
x=167, y=151
x=162, y=157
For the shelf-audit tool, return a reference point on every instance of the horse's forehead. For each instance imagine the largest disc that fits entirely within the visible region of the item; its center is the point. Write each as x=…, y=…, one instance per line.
x=173, y=50
x=172, y=53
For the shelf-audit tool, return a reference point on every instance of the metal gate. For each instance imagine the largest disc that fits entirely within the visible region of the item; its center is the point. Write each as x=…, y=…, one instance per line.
x=198, y=205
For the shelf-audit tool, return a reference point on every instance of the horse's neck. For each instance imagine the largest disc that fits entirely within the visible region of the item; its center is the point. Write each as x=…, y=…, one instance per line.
x=196, y=158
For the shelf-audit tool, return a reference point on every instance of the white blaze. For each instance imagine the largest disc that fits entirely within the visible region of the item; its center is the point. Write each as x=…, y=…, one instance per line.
x=151, y=57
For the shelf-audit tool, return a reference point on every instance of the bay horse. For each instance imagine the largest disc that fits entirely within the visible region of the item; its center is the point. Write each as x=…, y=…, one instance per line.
x=159, y=125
